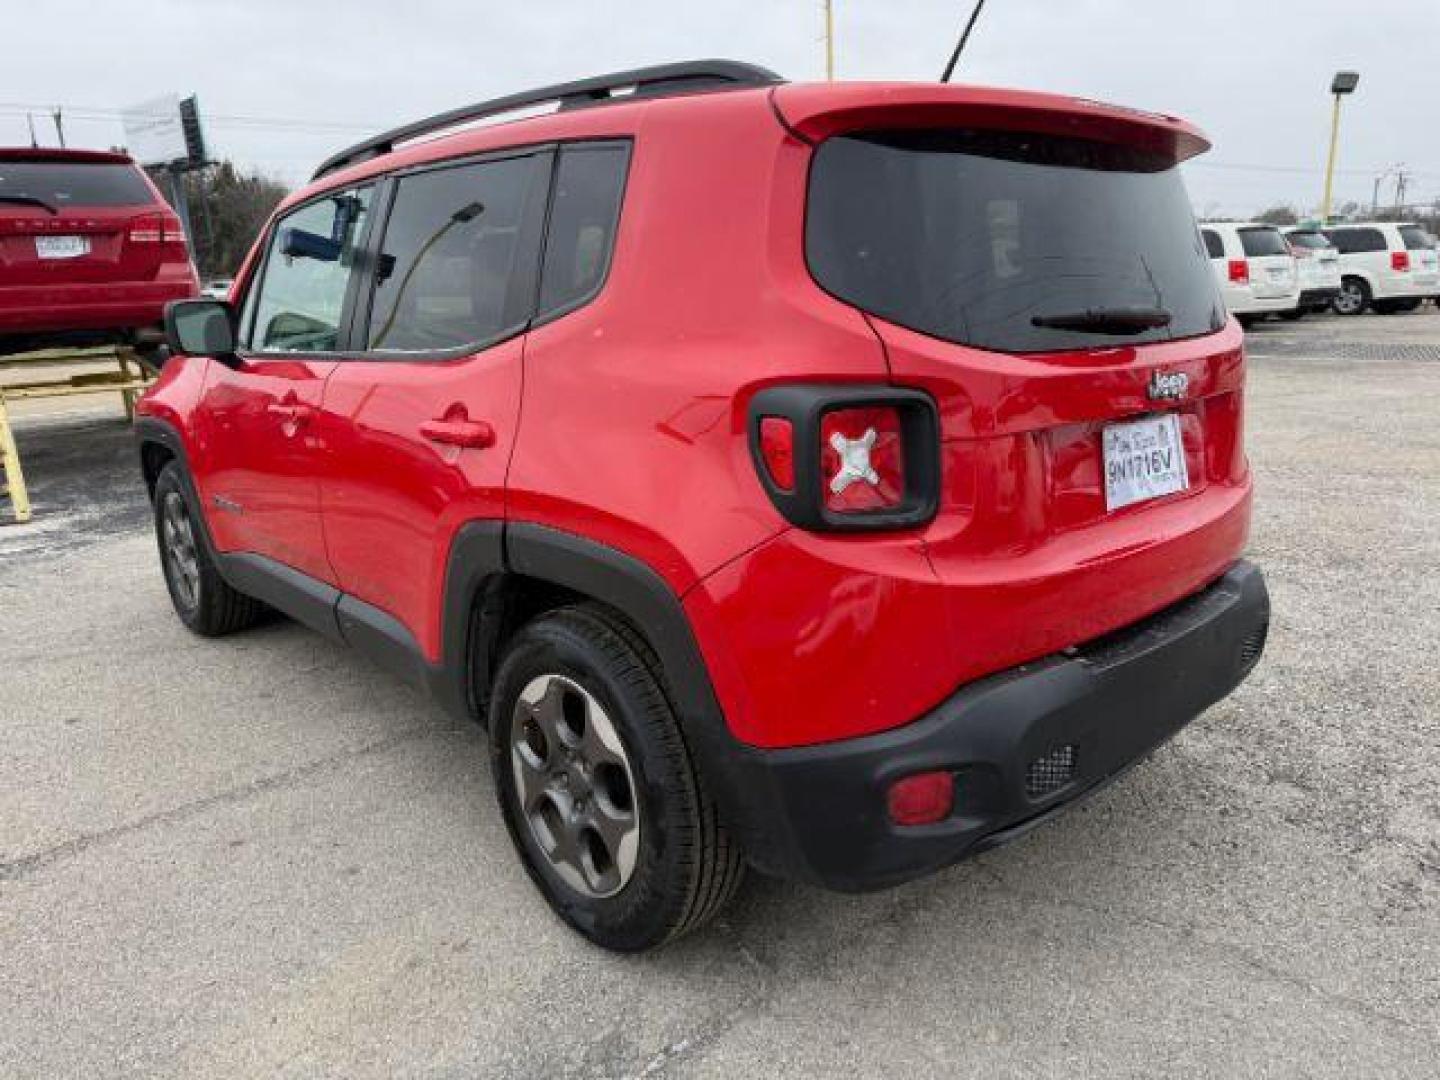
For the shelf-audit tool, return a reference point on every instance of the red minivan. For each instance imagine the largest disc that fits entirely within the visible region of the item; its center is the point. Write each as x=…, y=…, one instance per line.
x=90, y=253
x=836, y=480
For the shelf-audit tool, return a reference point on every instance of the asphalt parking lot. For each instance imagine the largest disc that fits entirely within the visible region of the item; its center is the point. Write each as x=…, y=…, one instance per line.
x=258, y=856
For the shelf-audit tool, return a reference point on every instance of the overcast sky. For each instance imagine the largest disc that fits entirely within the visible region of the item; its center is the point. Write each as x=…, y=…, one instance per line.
x=282, y=83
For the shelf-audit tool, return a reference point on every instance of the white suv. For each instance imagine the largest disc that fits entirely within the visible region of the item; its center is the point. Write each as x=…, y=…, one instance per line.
x=1319, y=266
x=1390, y=266
x=1255, y=268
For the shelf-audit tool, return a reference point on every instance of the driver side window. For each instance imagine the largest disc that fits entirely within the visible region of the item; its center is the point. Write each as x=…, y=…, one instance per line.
x=296, y=306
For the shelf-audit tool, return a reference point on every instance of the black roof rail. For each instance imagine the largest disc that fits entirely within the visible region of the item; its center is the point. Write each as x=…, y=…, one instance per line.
x=659, y=81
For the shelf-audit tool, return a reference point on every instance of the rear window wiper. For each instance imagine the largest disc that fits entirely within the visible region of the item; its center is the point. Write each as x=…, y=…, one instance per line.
x=30, y=200
x=1106, y=320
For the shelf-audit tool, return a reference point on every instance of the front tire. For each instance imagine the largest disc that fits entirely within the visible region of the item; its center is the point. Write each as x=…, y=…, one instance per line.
x=205, y=603
x=597, y=787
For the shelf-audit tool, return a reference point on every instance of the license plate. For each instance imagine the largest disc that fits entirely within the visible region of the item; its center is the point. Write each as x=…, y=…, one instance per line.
x=1144, y=459
x=61, y=247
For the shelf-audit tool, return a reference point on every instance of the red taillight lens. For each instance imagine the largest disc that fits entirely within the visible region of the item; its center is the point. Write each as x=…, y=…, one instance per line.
x=922, y=799
x=1400, y=261
x=156, y=229
x=1239, y=272
x=847, y=458
x=862, y=459
x=149, y=229
x=777, y=447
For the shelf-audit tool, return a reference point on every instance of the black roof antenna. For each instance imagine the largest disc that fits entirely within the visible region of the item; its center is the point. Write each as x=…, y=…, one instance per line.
x=964, y=37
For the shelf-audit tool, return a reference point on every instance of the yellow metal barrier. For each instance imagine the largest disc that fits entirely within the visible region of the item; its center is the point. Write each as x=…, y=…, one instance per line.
x=129, y=380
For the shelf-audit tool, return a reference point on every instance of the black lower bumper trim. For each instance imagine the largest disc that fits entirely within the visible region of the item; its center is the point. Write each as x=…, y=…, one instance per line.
x=1318, y=298
x=818, y=813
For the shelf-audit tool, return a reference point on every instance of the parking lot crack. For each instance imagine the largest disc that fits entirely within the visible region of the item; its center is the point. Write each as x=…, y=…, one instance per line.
x=29, y=864
x=1243, y=958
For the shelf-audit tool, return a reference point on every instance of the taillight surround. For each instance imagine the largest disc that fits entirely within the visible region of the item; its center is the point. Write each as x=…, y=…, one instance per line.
x=906, y=453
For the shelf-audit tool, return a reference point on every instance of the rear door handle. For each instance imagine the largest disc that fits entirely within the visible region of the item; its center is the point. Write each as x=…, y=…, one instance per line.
x=472, y=433
x=294, y=413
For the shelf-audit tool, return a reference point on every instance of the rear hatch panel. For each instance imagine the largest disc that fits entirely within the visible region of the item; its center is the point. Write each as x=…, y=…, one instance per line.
x=1084, y=215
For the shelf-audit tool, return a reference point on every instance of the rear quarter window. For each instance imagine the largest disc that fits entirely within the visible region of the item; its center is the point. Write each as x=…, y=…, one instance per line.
x=972, y=236
x=1356, y=241
x=1214, y=246
x=62, y=184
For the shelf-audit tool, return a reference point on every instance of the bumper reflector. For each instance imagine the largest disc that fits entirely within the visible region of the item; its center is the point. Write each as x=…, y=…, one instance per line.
x=922, y=799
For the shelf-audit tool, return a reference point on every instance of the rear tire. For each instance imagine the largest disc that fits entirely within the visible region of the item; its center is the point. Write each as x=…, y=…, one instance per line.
x=206, y=604
x=1353, y=298
x=605, y=806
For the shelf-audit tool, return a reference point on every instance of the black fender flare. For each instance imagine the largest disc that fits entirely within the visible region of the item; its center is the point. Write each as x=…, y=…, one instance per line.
x=636, y=591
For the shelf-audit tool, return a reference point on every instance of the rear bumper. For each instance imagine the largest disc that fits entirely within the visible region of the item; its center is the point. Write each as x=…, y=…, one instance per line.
x=39, y=309
x=818, y=813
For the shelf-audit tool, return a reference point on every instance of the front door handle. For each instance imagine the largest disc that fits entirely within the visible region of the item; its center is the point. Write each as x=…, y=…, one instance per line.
x=476, y=434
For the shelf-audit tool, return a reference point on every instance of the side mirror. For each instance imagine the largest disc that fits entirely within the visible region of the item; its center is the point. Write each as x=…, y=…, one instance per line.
x=200, y=327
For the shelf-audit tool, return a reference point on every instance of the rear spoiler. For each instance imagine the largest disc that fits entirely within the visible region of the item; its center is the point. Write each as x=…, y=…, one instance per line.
x=816, y=111
x=57, y=155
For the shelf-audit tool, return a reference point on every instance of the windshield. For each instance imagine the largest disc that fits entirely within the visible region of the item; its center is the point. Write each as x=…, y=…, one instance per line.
x=1010, y=241
x=62, y=184
x=1313, y=240
x=1416, y=238
x=1263, y=242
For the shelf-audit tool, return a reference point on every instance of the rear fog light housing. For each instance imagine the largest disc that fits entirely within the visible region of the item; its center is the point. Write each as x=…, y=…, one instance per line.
x=921, y=799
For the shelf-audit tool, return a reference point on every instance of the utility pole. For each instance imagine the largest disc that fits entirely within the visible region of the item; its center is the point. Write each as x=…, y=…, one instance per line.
x=1400, y=179
x=59, y=119
x=34, y=142
x=829, y=40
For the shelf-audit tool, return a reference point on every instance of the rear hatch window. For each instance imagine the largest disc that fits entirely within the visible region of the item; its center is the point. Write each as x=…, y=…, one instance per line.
x=1314, y=241
x=1416, y=238
x=59, y=185
x=1010, y=241
x=1259, y=242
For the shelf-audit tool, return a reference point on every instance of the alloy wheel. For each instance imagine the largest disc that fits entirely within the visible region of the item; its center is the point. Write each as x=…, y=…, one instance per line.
x=181, y=558
x=1350, y=300
x=575, y=785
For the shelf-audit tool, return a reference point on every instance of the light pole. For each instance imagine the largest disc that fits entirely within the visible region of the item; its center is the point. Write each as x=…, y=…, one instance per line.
x=829, y=40
x=1343, y=83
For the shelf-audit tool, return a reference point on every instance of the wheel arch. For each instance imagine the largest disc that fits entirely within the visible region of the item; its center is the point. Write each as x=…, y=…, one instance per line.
x=501, y=576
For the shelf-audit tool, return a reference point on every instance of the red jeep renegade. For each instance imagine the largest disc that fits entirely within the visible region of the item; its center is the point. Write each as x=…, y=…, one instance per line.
x=835, y=479
x=90, y=253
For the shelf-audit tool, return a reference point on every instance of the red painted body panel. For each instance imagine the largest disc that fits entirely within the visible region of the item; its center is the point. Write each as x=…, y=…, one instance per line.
x=633, y=425
x=625, y=422
x=392, y=499
x=259, y=454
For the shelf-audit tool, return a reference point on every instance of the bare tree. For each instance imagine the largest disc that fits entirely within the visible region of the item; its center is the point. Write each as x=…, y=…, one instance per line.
x=228, y=208
x=1279, y=215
